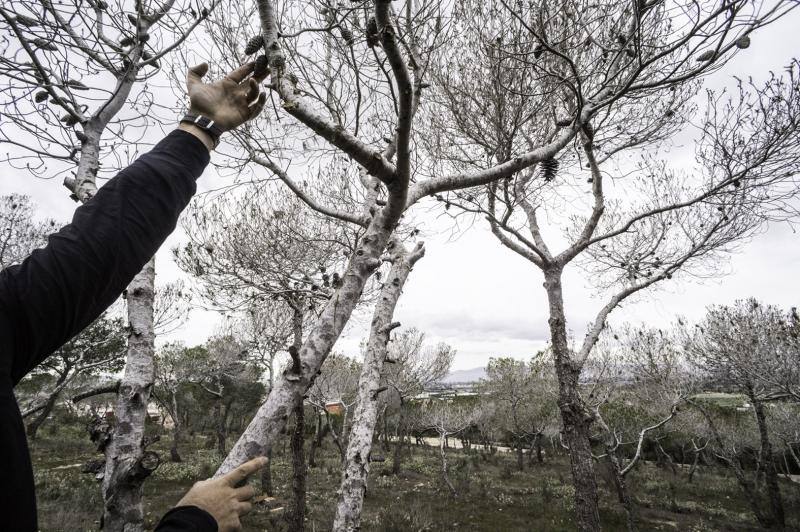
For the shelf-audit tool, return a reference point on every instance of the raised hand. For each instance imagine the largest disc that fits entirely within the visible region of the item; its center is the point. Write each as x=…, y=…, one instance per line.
x=229, y=102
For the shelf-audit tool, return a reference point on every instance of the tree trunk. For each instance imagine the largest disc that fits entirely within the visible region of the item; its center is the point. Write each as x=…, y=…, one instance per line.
x=222, y=426
x=622, y=488
x=520, y=455
x=176, y=430
x=271, y=417
x=356, y=468
x=319, y=433
x=770, y=471
x=386, y=445
x=335, y=436
x=443, y=458
x=750, y=494
x=693, y=468
x=575, y=417
x=401, y=439
x=539, y=456
x=297, y=512
x=127, y=463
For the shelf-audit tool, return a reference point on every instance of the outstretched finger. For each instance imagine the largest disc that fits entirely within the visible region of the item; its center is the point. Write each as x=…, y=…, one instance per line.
x=195, y=74
x=240, y=73
x=240, y=474
x=245, y=493
x=258, y=106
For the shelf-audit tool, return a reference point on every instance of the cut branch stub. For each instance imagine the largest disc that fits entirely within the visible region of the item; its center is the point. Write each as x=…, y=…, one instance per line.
x=145, y=466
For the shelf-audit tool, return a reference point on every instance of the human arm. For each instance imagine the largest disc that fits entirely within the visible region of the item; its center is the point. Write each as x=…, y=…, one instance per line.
x=60, y=289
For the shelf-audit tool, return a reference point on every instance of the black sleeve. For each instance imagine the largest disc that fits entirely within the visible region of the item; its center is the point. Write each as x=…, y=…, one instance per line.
x=60, y=289
x=187, y=519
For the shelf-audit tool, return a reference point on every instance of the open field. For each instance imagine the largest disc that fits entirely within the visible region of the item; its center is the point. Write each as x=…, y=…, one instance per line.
x=493, y=496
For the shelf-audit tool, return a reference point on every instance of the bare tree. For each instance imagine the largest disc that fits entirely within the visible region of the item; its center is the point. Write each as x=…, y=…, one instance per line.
x=257, y=244
x=524, y=399
x=733, y=439
x=20, y=232
x=224, y=369
x=785, y=424
x=446, y=418
x=772, y=338
x=640, y=382
x=74, y=72
x=414, y=367
x=170, y=307
x=334, y=394
x=266, y=329
x=353, y=485
x=175, y=367
x=733, y=345
x=361, y=97
x=624, y=77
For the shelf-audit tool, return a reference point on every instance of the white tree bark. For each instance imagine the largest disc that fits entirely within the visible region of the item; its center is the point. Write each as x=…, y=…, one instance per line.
x=127, y=463
x=356, y=470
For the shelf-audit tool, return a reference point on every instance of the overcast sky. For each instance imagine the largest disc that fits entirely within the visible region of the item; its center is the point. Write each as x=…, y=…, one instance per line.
x=486, y=301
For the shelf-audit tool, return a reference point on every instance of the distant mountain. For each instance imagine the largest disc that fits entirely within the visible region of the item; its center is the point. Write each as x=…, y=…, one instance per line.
x=464, y=375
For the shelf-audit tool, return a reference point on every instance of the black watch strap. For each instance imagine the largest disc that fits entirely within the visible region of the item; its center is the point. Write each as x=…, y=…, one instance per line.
x=204, y=123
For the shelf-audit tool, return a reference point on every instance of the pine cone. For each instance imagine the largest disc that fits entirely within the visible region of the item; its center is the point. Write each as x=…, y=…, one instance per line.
x=69, y=120
x=549, y=169
x=41, y=96
x=261, y=68
x=708, y=55
x=254, y=45
x=347, y=35
x=743, y=42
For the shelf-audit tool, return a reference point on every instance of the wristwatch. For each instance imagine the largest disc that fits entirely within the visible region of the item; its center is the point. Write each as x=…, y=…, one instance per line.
x=204, y=123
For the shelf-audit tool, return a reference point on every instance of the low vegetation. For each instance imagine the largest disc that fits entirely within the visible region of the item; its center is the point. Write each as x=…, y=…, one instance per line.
x=492, y=493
